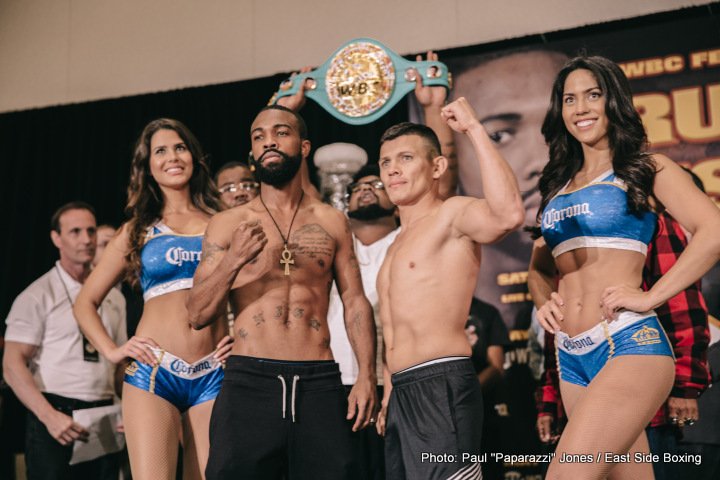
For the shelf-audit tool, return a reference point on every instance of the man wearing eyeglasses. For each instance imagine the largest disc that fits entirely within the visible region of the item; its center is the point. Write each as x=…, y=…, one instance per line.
x=236, y=184
x=374, y=228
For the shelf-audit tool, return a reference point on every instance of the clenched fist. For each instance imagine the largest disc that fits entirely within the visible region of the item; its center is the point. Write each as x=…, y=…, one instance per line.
x=459, y=115
x=248, y=240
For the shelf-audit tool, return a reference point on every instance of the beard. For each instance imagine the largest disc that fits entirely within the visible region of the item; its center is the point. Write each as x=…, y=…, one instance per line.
x=371, y=212
x=278, y=174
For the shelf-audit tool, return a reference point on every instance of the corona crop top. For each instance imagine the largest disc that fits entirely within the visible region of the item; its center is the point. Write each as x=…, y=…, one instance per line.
x=168, y=261
x=596, y=215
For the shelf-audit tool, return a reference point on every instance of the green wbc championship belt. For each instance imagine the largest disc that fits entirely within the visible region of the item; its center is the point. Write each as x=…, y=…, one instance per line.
x=363, y=80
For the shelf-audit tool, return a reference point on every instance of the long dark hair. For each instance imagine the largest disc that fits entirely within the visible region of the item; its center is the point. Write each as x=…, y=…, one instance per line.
x=145, y=199
x=626, y=134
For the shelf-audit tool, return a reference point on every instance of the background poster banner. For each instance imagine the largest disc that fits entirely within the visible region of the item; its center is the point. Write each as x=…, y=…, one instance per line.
x=673, y=63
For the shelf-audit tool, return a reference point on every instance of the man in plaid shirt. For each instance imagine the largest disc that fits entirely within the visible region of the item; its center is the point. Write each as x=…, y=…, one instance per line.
x=685, y=320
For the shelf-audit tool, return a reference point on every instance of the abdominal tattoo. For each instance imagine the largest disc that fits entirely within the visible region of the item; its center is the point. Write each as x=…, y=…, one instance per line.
x=298, y=312
x=315, y=324
x=259, y=318
x=282, y=312
x=242, y=333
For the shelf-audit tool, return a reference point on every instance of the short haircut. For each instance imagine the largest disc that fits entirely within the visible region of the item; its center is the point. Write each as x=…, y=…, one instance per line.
x=228, y=166
x=74, y=205
x=302, y=127
x=369, y=170
x=409, y=128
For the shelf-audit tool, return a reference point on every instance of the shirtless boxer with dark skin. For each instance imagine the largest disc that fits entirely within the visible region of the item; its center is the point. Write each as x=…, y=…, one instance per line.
x=274, y=259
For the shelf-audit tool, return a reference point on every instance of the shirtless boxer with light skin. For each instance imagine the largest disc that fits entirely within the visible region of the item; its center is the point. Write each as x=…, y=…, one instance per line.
x=426, y=285
x=275, y=259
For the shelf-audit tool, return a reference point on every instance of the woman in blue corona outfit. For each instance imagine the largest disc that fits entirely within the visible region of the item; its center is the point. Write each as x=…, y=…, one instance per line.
x=600, y=192
x=171, y=386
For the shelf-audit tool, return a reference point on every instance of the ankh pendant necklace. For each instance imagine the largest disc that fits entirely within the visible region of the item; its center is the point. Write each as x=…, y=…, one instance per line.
x=286, y=257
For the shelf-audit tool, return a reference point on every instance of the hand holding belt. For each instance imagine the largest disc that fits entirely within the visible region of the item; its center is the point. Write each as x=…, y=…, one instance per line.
x=363, y=80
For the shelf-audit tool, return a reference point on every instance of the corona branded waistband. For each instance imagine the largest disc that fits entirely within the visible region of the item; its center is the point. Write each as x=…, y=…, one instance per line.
x=180, y=368
x=591, y=339
x=363, y=80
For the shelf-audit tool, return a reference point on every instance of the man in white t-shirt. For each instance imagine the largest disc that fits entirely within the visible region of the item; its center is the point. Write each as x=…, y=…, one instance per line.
x=372, y=221
x=48, y=363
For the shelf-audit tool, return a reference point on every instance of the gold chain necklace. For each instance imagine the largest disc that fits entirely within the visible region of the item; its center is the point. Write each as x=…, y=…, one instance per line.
x=286, y=257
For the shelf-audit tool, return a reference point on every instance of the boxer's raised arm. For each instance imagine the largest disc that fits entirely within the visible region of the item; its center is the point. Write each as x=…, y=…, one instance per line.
x=488, y=220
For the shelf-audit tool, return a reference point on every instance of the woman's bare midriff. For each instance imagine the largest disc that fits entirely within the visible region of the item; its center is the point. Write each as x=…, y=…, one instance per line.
x=165, y=320
x=585, y=274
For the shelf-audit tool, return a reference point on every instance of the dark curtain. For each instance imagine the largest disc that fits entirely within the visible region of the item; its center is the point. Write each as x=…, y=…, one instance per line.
x=82, y=152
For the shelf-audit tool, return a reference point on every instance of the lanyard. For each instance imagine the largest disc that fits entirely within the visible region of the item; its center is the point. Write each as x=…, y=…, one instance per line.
x=90, y=354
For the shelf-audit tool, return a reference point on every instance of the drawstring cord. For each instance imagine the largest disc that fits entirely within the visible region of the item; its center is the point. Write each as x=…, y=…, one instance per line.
x=282, y=380
x=292, y=394
x=292, y=404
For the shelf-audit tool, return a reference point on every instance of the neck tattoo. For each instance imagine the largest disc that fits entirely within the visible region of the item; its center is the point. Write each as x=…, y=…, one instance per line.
x=286, y=257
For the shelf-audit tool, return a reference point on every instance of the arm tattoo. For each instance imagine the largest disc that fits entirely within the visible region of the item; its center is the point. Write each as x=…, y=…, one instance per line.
x=209, y=250
x=356, y=327
x=354, y=262
x=356, y=320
